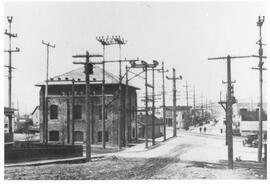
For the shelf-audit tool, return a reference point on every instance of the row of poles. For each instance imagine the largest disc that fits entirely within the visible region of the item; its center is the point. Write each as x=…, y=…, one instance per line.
x=10, y=67
x=144, y=65
x=104, y=42
x=230, y=99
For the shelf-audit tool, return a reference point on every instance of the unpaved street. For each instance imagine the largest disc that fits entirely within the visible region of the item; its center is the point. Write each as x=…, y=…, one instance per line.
x=189, y=156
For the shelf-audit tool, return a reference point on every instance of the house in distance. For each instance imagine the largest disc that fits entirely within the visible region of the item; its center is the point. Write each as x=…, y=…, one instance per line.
x=67, y=122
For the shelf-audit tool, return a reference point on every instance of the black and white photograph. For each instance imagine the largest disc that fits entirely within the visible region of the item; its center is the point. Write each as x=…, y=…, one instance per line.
x=153, y=91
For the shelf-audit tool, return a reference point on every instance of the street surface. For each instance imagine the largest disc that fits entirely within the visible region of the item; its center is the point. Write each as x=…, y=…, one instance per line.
x=191, y=155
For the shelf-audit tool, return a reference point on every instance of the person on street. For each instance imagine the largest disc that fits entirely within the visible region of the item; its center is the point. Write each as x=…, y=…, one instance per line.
x=204, y=129
x=200, y=129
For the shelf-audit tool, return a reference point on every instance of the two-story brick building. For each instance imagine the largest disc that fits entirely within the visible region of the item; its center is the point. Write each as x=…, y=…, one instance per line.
x=67, y=122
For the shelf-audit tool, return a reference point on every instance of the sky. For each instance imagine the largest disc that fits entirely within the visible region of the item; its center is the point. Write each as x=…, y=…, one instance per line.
x=182, y=34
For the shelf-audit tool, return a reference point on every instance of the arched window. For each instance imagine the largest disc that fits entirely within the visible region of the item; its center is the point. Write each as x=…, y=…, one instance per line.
x=54, y=136
x=54, y=112
x=78, y=136
x=77, y=112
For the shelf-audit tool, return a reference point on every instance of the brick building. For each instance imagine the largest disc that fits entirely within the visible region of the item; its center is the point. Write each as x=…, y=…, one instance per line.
x=62, y=116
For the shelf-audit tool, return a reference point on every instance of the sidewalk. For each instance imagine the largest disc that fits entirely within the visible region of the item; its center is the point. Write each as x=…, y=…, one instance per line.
x=138, y=147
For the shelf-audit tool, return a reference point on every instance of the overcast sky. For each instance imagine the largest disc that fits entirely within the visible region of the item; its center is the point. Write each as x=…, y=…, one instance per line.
x=181, y=34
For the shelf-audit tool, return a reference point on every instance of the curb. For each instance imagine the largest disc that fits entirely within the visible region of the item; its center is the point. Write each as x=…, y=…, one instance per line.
x=58, y=161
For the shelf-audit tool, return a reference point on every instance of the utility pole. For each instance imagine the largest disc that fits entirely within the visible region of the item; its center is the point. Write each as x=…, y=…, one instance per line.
x=163, y=99
x=174, y=78
x=114, y=40
x=48, y=45
x=230, y=100
x=202, y=110
x=9, y=66
x=144, y=65
x=186, y=86
x=194, y=99
x=72, y=104
x=103, y=43
x=88, y=69
x=153, y=106
x=194, y=106
x=224, y=106
x=260, y=68
x=126, y=107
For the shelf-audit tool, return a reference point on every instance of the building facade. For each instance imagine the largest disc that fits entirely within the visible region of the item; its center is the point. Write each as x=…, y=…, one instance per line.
x=183, y=116
x=67, y=114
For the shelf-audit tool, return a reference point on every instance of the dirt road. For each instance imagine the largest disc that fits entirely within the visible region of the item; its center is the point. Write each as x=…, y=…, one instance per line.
x=188, y=156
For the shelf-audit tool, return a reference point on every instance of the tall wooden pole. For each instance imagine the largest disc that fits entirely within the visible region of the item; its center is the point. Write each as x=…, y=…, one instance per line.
x=72, y=112
x=174, y=105
x=146, y=108
x=163, y=103
x=230, y=100
x=127, y=110
x=9, y=66
x=103, y=100
x=87, y=113
x=120, y=108
x=174, y=78
x=153, y=106
x=87, y=67
x=48, y=45
x=260, y=23
x=229, y=114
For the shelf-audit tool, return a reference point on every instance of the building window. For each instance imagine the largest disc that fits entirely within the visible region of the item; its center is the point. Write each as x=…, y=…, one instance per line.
x=100, y=112
x=100, y=136
x=78, y=136
x=54, y=136
x=77, y=112
x=54, y=112
x=133, y=113
x=133, y=132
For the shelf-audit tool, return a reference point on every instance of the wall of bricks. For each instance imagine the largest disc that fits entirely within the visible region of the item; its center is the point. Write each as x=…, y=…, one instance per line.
x=63, y=124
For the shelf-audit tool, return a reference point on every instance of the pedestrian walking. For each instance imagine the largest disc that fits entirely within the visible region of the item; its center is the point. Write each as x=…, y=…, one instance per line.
x=221, y=130
x=204, y=129
x=200, y=129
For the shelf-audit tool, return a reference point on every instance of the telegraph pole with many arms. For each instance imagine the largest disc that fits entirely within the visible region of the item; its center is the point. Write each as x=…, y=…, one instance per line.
x=174, y=78
x=87, y=66
x=9, y=66
x=229, y=102
x=260, y=68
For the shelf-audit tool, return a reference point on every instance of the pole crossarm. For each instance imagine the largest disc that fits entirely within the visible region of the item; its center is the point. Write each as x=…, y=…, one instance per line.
x=111, y=40
x=16, y=50
x=48, y=44
x=224, y=82
x=9, y=66
x=143, y=64
x=10, y=34
x=231, y=57
x=89, y=56
x=264, y=57
x=254, y=68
